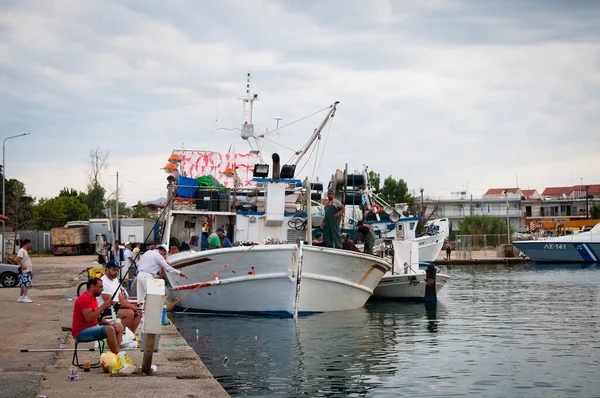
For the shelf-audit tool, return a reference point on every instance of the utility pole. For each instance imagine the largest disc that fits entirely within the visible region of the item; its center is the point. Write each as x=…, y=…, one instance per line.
x=117, y=210
x=422, y=207
x=507, y=219
x=587, y=209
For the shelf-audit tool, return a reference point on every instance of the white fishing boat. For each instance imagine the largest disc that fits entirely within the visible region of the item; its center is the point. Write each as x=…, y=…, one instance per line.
x=270, y=270
x=406, y=281
x=583, y=247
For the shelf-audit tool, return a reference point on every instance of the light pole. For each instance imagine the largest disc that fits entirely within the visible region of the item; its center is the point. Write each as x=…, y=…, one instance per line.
x=507, y=220
x=4, y=188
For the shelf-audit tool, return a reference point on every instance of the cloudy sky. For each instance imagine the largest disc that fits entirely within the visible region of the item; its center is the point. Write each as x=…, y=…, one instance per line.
x=445, y=94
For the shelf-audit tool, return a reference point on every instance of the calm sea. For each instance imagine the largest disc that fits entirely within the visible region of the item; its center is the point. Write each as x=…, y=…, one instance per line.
x=496, y=331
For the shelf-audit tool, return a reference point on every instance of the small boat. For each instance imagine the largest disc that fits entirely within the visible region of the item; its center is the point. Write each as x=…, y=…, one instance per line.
x=406, y=281
x=583, y=247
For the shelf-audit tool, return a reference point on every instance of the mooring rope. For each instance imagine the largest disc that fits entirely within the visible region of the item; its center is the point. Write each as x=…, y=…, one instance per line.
x=208, y=280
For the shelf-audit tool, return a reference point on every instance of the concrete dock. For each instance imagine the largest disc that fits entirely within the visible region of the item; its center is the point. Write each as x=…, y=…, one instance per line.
x=38, y=325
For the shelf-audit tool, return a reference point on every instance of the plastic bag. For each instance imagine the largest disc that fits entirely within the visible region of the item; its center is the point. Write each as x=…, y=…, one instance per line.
x=129, y=341
x=124, y=364
x=108, y=360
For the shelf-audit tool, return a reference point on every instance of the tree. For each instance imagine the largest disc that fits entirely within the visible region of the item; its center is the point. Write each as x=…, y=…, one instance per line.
x=595, y=212
x=123, y=209
x=19, y=206
x=68, y=192
x=482, y=225
x=375, y=181
x=140, y=211
x=55, y=212
x=395, y=191
x=94, y=197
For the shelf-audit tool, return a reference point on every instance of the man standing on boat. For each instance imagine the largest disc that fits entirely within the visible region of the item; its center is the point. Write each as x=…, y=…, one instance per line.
x=331, y=222
x=366, y=234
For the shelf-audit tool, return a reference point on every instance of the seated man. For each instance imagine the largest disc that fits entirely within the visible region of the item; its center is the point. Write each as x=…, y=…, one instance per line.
x=347, y=244
x=318, y=241
x=85, y=318
x=128, y=313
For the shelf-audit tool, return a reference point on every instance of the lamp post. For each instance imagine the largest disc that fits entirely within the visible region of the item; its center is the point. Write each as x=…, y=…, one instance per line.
x=4, y=188
x=507, y=219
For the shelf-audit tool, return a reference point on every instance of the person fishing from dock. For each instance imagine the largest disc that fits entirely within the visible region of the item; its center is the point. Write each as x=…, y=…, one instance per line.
x=151, y=262
x=331, y=222
x=86, y=312
x=366, y=234
x=128, y=313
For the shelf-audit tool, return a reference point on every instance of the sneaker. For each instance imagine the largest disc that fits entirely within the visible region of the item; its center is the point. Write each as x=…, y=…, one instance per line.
x=27, y=300
x=20, y=299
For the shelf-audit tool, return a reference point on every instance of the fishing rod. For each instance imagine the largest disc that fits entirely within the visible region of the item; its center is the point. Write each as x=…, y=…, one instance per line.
x=122, y=278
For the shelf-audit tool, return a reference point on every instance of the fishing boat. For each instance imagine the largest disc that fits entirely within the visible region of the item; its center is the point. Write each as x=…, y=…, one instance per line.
x=583, y=247
x=269, y=271
x=406, y=281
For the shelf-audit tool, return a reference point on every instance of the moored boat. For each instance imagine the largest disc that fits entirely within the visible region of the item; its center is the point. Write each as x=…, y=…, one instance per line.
x=583, y=247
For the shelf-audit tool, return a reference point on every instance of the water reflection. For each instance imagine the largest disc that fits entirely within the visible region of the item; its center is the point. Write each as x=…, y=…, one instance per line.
x=526, y=330
x=332, y=354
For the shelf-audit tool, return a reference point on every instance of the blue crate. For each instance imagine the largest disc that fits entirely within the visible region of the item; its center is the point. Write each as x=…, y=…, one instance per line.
x=187, y=187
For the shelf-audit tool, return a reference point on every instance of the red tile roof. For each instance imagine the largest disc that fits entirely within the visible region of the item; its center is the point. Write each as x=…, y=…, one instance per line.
x=593, y=189
x=499, y=191
x=557, y=191
x=528, y=192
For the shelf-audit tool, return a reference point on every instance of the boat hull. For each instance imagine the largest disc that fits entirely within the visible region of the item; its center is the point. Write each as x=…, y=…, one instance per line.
x=429, y=247
x=410, y=286
x=264, y=280
x=334, y=280
x=261, y=281
x=560, y=251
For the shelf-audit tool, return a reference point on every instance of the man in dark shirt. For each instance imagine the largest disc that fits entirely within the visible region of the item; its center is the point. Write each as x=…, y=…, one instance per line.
x=366, y=234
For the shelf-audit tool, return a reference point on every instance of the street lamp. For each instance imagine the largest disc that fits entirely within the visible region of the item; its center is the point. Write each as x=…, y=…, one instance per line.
x=4, y=188
x=507, y=220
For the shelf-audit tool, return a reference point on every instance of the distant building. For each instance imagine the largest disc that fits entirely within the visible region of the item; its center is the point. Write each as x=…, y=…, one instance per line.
x=521, y=206
x=153, y=208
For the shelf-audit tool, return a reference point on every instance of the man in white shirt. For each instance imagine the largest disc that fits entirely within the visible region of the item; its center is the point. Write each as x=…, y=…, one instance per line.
x=128, y=255
x=127, y=312
x=25, y=271
x=149, y=265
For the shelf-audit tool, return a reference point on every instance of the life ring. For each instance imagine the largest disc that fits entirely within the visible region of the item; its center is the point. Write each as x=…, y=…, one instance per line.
x=376, y=209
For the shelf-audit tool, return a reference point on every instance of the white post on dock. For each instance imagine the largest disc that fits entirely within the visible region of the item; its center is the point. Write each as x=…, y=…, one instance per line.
x=155, y=293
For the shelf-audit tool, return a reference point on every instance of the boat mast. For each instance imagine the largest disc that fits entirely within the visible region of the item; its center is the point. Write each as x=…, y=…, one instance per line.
x=247, y=130
x=317, y=134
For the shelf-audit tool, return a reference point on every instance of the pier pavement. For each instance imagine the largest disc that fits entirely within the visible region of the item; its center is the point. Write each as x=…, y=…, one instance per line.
x=38, y=325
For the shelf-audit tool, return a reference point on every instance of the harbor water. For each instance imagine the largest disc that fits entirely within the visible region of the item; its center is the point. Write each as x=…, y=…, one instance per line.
x=496, y=331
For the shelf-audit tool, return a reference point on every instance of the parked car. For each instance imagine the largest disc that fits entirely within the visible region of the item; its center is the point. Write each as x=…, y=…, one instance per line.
x=9, y=275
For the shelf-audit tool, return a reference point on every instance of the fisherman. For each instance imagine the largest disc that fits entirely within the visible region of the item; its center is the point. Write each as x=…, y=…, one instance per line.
x=367, y=236
x=85, y=318
x=318, y=241
x=125, y=311
x=151, y=262
x=347, y=244
x=214, y=239
x=331, y=222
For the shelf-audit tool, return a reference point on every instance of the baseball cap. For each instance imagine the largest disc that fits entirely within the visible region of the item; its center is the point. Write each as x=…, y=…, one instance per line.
x=330, y=191
x=152, y=247
x=220, y=229
x=127, y=243
x=164, y=247
x=113, y=264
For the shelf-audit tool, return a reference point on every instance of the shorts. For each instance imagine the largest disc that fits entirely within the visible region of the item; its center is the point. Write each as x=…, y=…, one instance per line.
x=25, y=279
x=92, y=334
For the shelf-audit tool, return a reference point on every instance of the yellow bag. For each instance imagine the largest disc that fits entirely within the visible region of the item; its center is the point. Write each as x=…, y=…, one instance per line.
x=124, y=364
x=108, y=360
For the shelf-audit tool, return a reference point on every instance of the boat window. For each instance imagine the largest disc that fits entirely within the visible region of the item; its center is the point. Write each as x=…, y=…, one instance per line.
x=400, y=227
x=412, y=226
